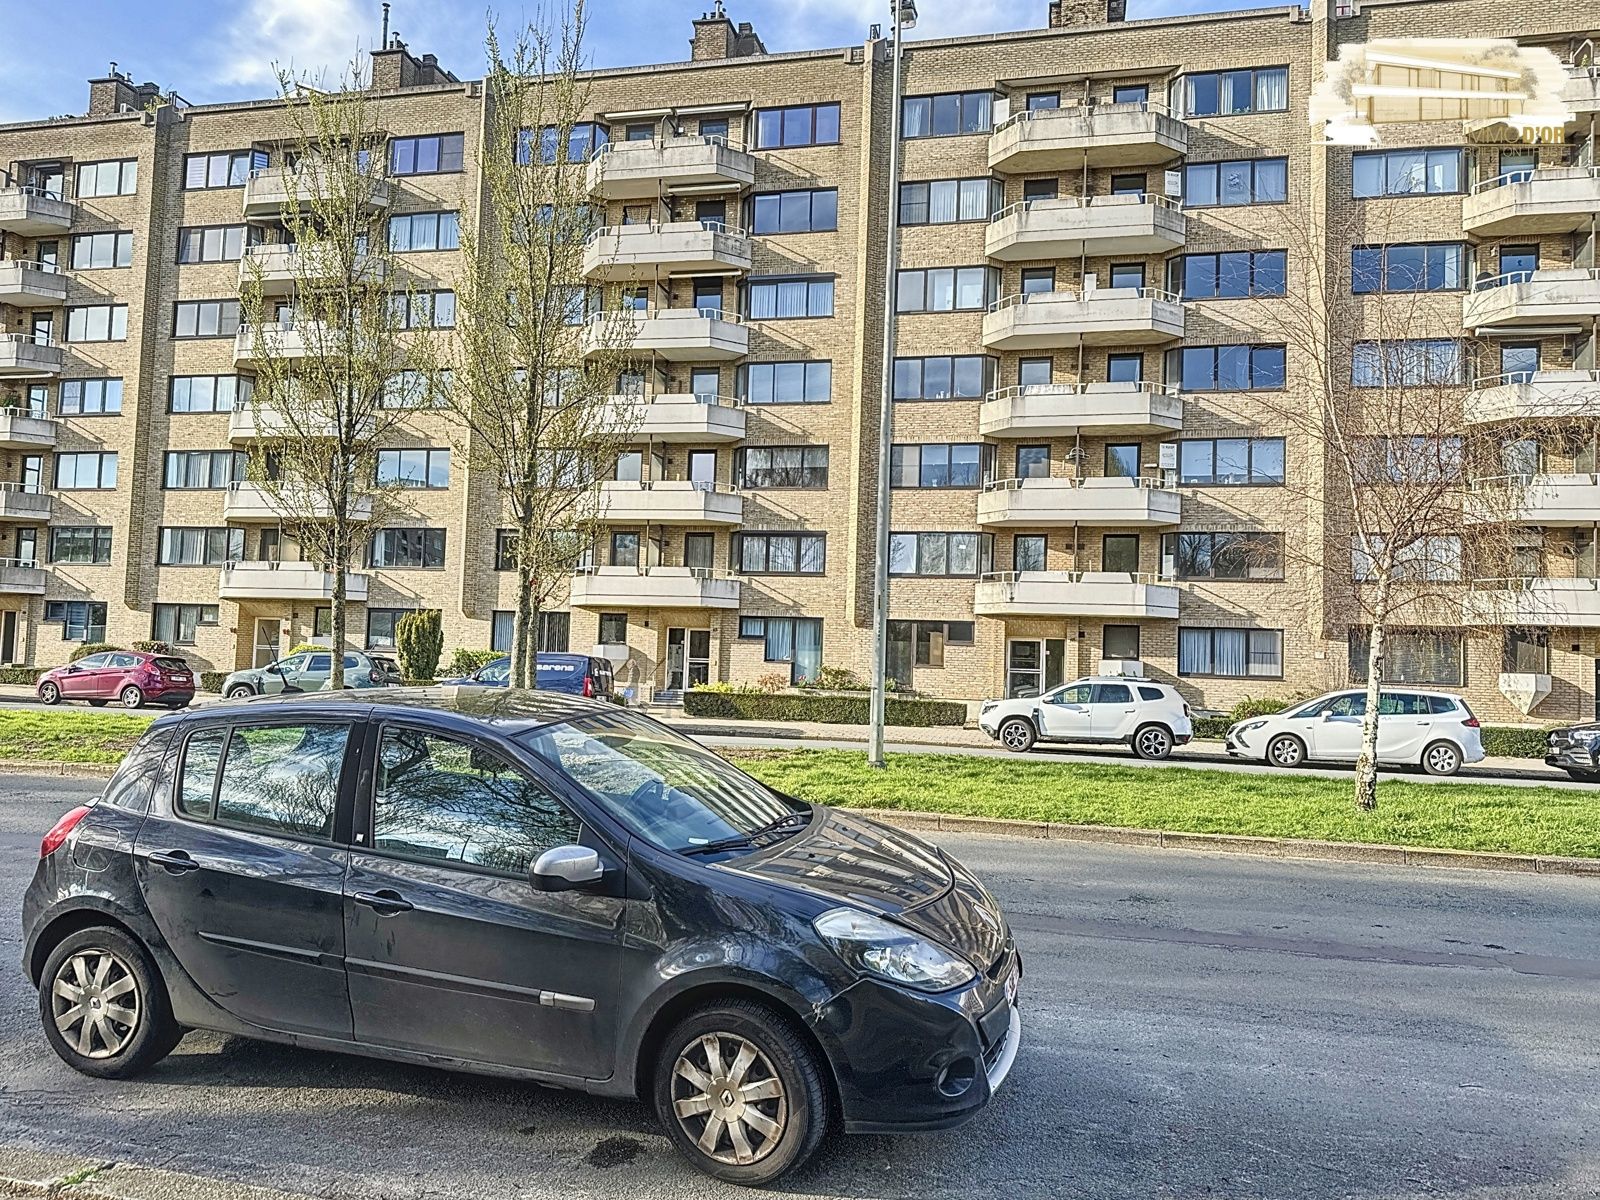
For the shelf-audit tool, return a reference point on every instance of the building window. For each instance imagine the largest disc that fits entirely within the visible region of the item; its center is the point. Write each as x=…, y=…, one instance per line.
x=502, y=630
x=934, y=553
x=1419, y=458
x=505, y=549
x=1416, y=267
x=1230, y=462
x=1432, y=559
x=1231, y=275
x=928, y=639
x=1417, y=656
x=205, y=318
x=230, y=168
x=614, y=629
x=797, y=125
x=1230, y=93
x=935, y=465
x=813, y=211
x=407, y=548
x=81, y=620
x=215, y=243
x=208, y=393
x=1028, y=552
x=1407, y=363
x=946, y=289
x=1526, y=651
x=414, y=468
x=97, y=251
x=1119, y=553
x=1119, y=641
x=200, y=546
x=424, y=310
x=583, y=139
x=115, y=177
x=436, y=154
x=98, y=323
x=780, y=553
x=176, y=624
x=786, y=383
x=782, y=299
x=1405, y=172
x=80, y=544
x=85, y=471
x=1232, y=653
x=624, y=549
x=947, y=115
x=203, y=468
x=793, y=640
x=945, y=377
x=90, y=397
x=1226, y=368
x=782, y=467
x=1236, y=182
x=425, y=231
x=382, y=624
x=948, y=201
x=1223, y=555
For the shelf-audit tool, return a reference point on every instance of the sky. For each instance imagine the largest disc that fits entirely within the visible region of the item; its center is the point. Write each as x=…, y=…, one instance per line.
x=211, y=51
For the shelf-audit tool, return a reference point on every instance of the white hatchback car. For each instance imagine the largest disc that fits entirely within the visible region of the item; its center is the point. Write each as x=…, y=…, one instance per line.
x=1432, y=729
x=1149, y=717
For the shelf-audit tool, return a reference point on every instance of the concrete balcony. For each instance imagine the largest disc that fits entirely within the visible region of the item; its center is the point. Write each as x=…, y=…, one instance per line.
x=272, y=189
x=25, y=284
x=1534, y=601
x=1547, y=500
x=670, y=502
x=1582, y=93
x=1068, y=409
x=1103, y=135
x=620, y=252
x=1551, y=200
x=280, y=270
x=643, y=170
x=1112, y=594
x=1074, y=225
x=678, y=418
x=675, y=334
x=24, y=502
x=21, y=577
x=252, y=421
x=1098, y=501
x=1102, y=317
x=1523, y=302
x=285, y=581
x=250, y=503
x=21, y=429
x=1541, y=395
x=255, y=342
x=654, y=587
x=25, y=356
x=30, y=212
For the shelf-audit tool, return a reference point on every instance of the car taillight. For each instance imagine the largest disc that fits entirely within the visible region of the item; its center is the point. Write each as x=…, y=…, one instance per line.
x=588, y=686
x=1186, y=710
x=60, y=831
x=1471, y=722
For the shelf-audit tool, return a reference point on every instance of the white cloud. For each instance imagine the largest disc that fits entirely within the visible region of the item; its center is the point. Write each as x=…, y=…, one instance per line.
x=306, y=37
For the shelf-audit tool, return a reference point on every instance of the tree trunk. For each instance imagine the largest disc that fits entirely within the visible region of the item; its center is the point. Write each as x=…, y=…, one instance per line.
x=522, y=634
x=1367, y=760
x=336, y=665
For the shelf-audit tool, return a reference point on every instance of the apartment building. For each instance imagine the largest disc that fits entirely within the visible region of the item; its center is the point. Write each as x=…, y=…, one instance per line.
x=1080, y=448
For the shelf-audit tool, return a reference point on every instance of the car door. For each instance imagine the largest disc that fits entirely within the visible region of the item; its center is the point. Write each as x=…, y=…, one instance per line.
x=1064, y=714
x=117, y=669
x=314, y=674
x=1112, y=712
x=81, y=680
x=242, y=869
x=1336, y=732
x=277, y=677
x=450, y=949
x=1404, y=724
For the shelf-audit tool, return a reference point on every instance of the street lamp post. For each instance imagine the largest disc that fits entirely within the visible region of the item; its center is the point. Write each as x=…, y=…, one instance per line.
x=904, y=15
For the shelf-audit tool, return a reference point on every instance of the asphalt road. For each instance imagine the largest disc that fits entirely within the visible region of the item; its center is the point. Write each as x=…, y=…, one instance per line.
x=1197, y=1025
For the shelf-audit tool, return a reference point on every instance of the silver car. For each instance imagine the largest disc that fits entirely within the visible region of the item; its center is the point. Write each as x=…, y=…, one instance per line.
x=308, y=671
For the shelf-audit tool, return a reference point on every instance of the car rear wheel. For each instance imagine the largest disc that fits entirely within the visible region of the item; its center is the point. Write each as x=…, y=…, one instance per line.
x=1286, y=750
x=131, y=696
x=98, y=703
x=1017, y=734
x=1441, y=758
x=104, y=1007
x=49, y=693
x=239, y=691
x=1152, y=741
x=741, y=1093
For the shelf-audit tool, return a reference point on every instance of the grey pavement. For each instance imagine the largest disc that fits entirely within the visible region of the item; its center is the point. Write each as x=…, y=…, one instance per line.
x=1197, y=1025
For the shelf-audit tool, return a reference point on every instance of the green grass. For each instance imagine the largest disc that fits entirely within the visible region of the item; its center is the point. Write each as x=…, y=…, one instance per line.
x=75, y=737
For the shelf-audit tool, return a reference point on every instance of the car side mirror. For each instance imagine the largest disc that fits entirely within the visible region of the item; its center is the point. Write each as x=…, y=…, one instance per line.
x=1326, y=715
x=71, y=667
x=565, y=869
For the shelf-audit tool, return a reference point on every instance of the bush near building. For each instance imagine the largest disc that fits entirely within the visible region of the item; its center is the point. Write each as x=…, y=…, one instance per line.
x=740, y=705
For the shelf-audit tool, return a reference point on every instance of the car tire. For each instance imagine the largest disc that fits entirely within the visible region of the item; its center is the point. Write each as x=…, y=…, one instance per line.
x=1152, y=741
x=125, y=1039
x=49, y=693
x=1583, y=776
x=131, y=696
x=1017, y=733
x=239, y=691
x=790, y=1104
x=98, y=703
x=1286, y=750
x=1441, y=758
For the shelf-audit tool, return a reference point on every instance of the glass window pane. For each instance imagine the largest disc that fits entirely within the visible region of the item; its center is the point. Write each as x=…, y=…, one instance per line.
x=283, y=778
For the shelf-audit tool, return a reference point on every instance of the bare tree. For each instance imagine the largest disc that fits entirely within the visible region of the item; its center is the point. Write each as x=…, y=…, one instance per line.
x=324, y=315
x=535, y=360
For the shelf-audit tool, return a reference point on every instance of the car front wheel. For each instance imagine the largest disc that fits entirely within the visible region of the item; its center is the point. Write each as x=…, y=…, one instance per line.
x=238, y=692
x=1441, y=758
x=104, y=1007
x=1583, y=776
x=741, y=1093
x=1153, y=741
x=49, y=693
x=1286, y=750
x=1017, y=734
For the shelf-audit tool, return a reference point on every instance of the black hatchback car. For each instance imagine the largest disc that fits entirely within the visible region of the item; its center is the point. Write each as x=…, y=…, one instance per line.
x=532, y=885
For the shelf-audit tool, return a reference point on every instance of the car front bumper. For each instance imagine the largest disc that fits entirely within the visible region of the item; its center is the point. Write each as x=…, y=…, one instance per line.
x=1574, y=756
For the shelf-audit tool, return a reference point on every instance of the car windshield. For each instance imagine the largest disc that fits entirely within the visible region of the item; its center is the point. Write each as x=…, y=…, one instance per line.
x=662, y=786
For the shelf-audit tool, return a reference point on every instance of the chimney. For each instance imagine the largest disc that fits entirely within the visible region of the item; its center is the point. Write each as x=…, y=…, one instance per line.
x=715, y=36
x=395, y=67
x=116, y=91
x=1067, y=13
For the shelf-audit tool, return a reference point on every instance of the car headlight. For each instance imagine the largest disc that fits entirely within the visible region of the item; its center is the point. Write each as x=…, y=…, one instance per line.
x=1584, y=735
x=877, y=947
x=989, y=705
x=1248, y=726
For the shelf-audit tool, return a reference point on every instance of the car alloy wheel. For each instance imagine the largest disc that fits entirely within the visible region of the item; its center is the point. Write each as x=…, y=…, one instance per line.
x=1285, y=751
x=1016, y=734
x=1441, y=758
x=95, y=1001
x=49, y=693
x=131, y=697
x=728, y=1099
x=240, y=691
x=1152, y=742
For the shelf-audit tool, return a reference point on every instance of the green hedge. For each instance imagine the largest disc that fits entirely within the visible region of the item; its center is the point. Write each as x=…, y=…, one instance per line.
x=23, y=675
x=836, y=710
x=465, y=662
x=1507, y=741
x=211, y=681
x=88, y=648
x=1211, y=729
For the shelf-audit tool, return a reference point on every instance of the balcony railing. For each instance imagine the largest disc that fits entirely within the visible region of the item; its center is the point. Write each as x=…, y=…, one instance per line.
x=269, y=190
x=30, y=211
x=1095, y=501
x=1068, y=409
x=641, y=170
x=1546, y=200
x=24, y=502
x=25, y=355
x=653, y=587
x=1582, y=93
x=1073, y=225
x=280, y=269
x=1501, y=304
x=619, y=252
x=1105, y=316
x=675, y=334
x=28, y=284
x=1533, y=396
x=21, y=577
x=248, y=501
x=1101, y=135
x=24, y=429
x=1134, y=596
x=1534, y=600
x=670, y=502
x=1567, y=500
x=684, y=417
x=286, y=581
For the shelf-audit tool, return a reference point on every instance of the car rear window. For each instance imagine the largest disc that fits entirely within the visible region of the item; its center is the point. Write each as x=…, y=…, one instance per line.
x=1439, y=705
x=1149, y=693
x=387, y=664
x=172, y=664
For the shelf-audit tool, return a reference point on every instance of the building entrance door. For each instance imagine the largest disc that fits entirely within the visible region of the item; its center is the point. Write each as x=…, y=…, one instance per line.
x=688, y=658
x=268, y=641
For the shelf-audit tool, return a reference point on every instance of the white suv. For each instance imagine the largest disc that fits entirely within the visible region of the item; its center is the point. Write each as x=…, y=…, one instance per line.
x=1433, y=729
x=1150, y=717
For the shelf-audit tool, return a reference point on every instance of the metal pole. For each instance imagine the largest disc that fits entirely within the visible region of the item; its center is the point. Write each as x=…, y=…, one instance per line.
x=880, y=580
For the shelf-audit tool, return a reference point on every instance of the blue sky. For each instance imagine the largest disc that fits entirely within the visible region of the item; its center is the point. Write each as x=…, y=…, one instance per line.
x=216, y=50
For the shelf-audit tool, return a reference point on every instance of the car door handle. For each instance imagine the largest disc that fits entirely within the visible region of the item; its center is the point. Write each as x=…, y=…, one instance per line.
x=174, y=862
x=385, y=902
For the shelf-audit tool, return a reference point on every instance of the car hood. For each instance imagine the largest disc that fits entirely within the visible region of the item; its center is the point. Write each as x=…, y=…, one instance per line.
x=848, y=859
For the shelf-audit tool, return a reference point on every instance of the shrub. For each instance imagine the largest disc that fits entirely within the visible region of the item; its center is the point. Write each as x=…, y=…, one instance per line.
x=304, y=647
x=1211, y=729
x=723, y=688
x=1509, y=741
x=465, y=662
x=1263, y=706
x=211, y=681
x=149, y=647
x=89, y=648
x=774, y=681
x=840, y=710
x=27, y=676
x=419, y=636
x=837, y=679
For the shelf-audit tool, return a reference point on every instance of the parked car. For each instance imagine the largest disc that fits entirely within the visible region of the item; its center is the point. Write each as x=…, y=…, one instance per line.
x=309, y=671
x=1432, y=729
x=577, y=674
x=132, y=678
x=1151, y=718
x=1576, y=750
x=613, y=907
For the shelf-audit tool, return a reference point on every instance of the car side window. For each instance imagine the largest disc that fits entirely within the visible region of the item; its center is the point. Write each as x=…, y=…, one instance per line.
x=1078, y=693
x=1440, y=705
x=294, y=664
x=123, y=661
x=130, y=787
x=283, y=778
x=1401, y=704
x=1149, y=693
x=1352, y=704
x=198, y=779
x=351, y=662
x=320, y=663
x=1112, y=693
x=443, y=798
x=92, y=662
x=496, y=672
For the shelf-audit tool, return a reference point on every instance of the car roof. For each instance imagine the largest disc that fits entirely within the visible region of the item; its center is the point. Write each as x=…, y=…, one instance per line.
x=1119, y=679
x=509, y=710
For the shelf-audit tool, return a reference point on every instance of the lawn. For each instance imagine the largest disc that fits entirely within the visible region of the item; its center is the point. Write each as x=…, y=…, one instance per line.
x=76, y=737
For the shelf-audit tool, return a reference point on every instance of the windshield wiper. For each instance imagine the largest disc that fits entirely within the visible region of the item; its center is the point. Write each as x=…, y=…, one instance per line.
x=741, y=840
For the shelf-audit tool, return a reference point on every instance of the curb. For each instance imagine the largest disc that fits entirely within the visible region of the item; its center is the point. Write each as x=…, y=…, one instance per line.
x=25, y=1172
x=28, y=766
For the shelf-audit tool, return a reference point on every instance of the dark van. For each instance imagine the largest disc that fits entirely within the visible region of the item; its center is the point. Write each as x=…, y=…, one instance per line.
x=575, y=674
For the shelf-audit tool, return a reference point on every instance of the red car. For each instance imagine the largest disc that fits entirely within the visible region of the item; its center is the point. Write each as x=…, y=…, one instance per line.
x=130, y=677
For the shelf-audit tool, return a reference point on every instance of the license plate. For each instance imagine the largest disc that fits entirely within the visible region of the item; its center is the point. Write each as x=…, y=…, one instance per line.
x=178, y=678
